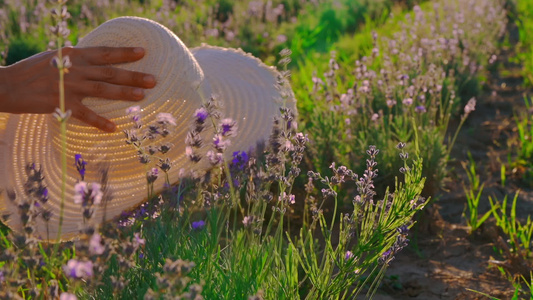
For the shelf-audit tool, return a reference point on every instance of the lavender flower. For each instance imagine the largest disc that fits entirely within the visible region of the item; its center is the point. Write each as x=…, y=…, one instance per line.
x=133, y=110
x=166, y=119
x=80, y=165
x=67, y=296
x=215, y=158
x=219, y=143
x=200, y=116
x=95, y=244
x=135, y=113
x=349, y=255
x=198, y=225
x=152, y=175
x=87, y=194
x=407, y=101
x=240, y=159
x=137, y=240
x=78, y=269
x=165, y=164
x=248, y=221
x=228, y=127
x=420, y=109
x=194, y=157
x=165, y=148
x=470, y=106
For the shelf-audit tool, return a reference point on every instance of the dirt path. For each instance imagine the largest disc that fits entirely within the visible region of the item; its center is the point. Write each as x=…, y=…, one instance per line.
x=447, y=261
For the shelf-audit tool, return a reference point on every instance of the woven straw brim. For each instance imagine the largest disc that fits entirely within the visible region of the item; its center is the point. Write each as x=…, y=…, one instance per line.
x=245, y=86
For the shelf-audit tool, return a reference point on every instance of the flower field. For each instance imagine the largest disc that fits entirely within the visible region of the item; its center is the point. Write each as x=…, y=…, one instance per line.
x=406, y=171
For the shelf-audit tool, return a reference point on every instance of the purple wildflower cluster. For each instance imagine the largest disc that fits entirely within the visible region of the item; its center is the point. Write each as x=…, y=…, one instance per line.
x=135, y=136
x=226, y=128
x=401, y=242
x=87, y=194
x=32, y=204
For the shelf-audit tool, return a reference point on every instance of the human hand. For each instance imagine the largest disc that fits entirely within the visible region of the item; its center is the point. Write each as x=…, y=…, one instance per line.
x=32, y=85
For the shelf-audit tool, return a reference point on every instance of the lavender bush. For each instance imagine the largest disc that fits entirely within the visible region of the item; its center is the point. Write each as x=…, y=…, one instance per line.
x=406, y=88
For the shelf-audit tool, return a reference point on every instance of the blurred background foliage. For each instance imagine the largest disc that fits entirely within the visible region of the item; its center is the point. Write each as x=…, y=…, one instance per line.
x=262, y=28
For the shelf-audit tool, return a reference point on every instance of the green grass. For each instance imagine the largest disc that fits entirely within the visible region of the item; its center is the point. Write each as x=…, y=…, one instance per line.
x=524, y=21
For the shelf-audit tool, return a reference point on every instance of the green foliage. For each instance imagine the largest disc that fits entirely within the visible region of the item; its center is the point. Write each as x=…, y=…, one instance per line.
x=473, y=195
x=524, y=126
x=21, y=48
x=518, y=233
x=346, y=107
x=524, y=21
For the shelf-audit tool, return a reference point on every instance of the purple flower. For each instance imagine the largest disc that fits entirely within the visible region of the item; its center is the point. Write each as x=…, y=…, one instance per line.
x=133, y=110
x=164, y=165
x=201, y=115
x=137, y=241
x=470, y=106
x=152, y=175
x=240, y=158
x=247, y=221
x=214, y=158
x=420, y=109
x=78, y=269
x=80, y=165
x=198, y=225
x=87, y=194
x=194, y=157
x=228, y=127
x=348, y=255
x=407, y=101
x=95, y=244
x=289, y=199
x=67, y=296
x=219, y=143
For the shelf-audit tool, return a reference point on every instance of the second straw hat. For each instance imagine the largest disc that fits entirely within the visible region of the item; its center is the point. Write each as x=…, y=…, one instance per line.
x=186, y=79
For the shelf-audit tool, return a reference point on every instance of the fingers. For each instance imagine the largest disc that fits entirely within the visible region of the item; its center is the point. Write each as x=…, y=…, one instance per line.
x=84, y=114
x=107, y=55
x=119, y=76
x=106, y=90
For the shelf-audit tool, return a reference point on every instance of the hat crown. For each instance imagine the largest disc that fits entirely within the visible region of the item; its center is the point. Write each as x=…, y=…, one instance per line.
x=166, y=57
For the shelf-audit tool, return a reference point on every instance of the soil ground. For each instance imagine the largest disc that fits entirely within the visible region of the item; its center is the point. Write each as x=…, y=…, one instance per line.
x=444, y=260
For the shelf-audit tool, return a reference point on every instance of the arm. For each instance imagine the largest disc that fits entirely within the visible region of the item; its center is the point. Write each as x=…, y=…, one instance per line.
x=32, y=85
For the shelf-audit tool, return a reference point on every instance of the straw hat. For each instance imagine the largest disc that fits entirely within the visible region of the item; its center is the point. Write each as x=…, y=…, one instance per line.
x=186, y=79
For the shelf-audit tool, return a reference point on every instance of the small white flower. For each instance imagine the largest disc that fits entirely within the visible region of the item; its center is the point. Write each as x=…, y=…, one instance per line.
x=166, y=118
x=137, y=241
x=62, y=116
x=95, y=244
x=88, y=192
x=133, y=110
x=470, y=106
x=67, y=296
x=78, y=269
